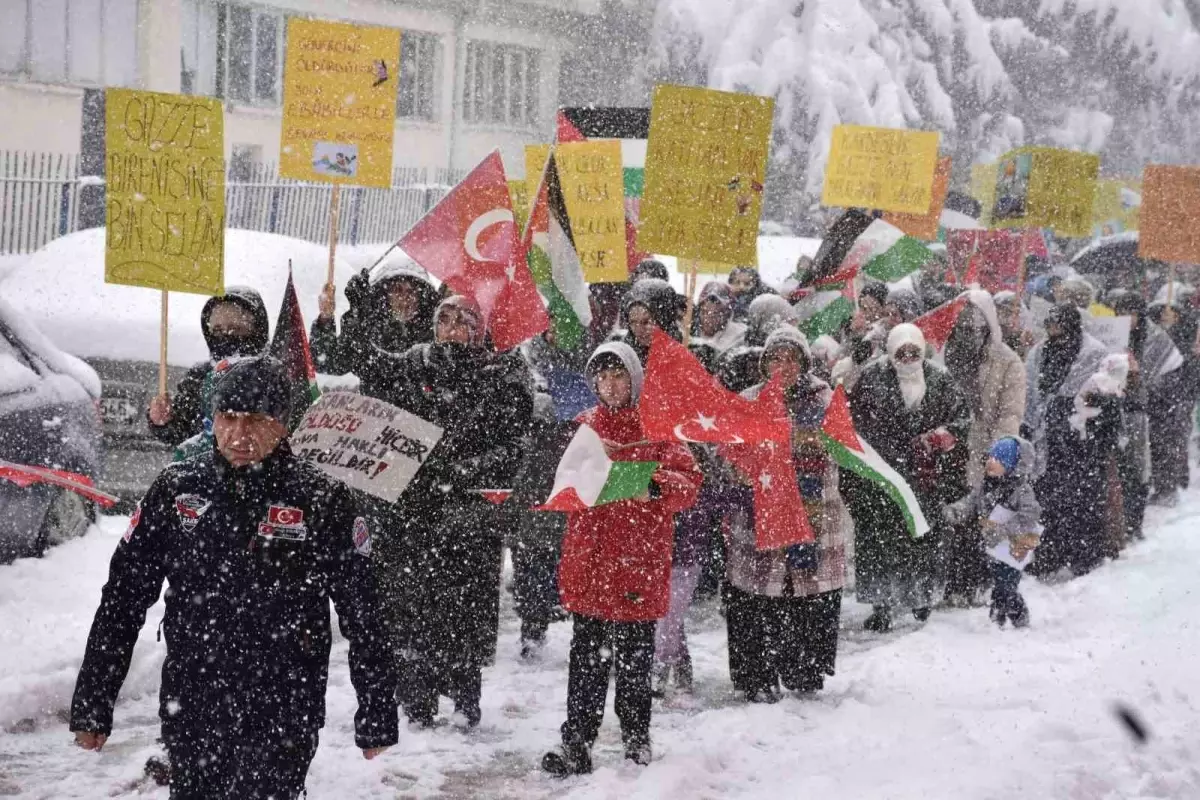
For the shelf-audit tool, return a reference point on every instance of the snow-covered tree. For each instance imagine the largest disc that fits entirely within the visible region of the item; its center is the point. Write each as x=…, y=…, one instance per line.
x=1116, y=77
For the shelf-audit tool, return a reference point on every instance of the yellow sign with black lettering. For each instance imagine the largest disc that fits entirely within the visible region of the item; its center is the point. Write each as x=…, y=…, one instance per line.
x=339, y=103
x=165, y=193
x=881, y=169
x=593, y=187
x=1046, y=187
x=706, y=163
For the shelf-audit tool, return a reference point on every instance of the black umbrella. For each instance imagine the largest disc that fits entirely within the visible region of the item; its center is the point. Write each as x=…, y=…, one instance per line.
x=1116, y=259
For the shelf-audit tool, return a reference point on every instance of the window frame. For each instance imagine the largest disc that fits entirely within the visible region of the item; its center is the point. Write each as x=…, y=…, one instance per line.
x=480, y=103
x=423, y=40
x=25, y=72
x=224, y=54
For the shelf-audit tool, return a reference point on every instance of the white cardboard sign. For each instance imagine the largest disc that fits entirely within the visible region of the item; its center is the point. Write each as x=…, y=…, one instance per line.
x=1113, y=332
x=365, y=443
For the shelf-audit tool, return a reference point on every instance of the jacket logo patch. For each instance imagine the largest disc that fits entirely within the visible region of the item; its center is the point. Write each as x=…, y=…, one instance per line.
x=133, y=523
x=191, y=508
x=284, y=522
x=362, y=537
x=285, y=515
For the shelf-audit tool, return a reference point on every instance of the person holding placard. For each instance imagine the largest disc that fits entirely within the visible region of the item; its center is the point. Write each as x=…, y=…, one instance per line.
x=391, y=309
x=235, y=325
x=443, y=587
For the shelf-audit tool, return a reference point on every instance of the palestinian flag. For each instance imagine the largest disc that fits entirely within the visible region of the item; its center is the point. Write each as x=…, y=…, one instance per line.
x=830, y=308
x=550, y=252
x=632, y=127
x=937, y=324
x=885, y=253
x=853, y=453
x=835, y=246
x=570, y=471
x=290, y=346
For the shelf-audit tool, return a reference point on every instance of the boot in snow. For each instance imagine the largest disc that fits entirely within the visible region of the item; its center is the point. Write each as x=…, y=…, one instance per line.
x=1018, y=614
x=567, y=760
x=921, y=614
x=764, y=694
x=639, y=753
x=659, y=677
x=880, y=620
x=683, y=675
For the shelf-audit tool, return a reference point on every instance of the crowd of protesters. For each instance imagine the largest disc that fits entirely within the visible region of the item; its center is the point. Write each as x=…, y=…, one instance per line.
x=1025, y=440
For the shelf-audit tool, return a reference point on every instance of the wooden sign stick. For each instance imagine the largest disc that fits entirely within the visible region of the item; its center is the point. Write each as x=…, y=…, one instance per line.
x=162, y=348
x=689, y=289
x=334, y=202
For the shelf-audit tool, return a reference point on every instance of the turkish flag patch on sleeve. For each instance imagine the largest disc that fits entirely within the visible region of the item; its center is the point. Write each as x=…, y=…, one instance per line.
x=133, y=523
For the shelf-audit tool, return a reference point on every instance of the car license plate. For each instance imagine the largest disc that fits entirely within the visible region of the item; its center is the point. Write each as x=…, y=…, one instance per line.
x=119, y=411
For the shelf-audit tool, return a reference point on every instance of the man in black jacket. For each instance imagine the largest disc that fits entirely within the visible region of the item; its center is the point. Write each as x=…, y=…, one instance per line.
x=253, y=544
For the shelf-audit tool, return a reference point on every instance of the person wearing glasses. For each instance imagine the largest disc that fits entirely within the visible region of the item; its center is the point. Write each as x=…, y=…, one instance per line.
x=916, y=417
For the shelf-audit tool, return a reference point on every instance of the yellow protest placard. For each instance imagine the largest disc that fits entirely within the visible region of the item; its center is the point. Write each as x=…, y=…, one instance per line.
x=983, y=189
x=518, y=192
x=1116, y=207
x=165, y=193
x=1044, y=187
x=706, y=163
x=593, y=187
x=535, y=162
x=339, y=103
x=926, y=226
x=882, y=169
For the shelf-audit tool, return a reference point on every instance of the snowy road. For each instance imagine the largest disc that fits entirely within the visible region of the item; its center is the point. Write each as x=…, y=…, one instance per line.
x=957, y=709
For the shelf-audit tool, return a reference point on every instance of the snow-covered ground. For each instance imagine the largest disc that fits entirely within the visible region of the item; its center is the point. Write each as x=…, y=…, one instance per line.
x=956, y=709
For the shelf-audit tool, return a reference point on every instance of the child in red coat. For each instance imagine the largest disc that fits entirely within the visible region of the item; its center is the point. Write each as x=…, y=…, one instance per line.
x=615, y=573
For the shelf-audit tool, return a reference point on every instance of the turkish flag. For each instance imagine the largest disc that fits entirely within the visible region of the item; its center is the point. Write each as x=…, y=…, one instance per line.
x=682, y=401
x=937, y=324
x=470, y=241
x=779, y=516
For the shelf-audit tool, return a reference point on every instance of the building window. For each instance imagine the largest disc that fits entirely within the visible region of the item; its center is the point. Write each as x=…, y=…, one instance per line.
x=420, y=70
x=250, y=43
x=80, y=42
x=501, y=85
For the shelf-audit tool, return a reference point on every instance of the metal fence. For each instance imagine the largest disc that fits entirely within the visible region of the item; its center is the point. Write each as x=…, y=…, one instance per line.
x=39, y=201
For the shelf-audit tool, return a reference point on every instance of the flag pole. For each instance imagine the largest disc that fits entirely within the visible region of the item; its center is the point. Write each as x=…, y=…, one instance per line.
x=334, y=210
x=1168, y=315
x=689, y=288
x=1021, y=269
x=162, y=347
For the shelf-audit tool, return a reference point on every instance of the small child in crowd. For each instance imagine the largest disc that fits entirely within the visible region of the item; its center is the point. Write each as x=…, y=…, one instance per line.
x=1009, y=514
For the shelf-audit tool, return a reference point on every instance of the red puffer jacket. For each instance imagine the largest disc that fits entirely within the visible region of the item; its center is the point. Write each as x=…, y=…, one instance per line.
x=616, y=559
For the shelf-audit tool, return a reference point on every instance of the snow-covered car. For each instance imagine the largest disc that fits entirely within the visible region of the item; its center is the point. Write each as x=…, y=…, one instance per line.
x=115, y=329
x=49, y=419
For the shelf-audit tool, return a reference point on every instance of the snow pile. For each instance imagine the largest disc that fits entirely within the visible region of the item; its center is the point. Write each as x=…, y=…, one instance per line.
x=956, y=708
x=62, y=289
x=47, y=606
x=69, y=380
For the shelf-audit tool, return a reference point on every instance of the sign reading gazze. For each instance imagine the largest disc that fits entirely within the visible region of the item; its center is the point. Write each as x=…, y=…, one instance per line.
x=365, y=443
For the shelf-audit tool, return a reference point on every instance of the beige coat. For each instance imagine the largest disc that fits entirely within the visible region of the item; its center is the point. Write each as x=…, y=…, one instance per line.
x=1002, y=385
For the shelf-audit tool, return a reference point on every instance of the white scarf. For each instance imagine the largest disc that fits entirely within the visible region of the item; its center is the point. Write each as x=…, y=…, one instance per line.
x=910, y=374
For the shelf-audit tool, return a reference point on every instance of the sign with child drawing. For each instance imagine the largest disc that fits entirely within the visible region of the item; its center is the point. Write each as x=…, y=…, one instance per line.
x=339, y=103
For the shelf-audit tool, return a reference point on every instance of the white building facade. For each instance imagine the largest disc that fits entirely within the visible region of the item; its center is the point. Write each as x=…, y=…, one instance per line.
x=474, y=74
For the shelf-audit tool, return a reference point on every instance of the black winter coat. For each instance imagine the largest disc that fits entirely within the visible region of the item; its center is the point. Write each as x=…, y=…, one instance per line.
x=252, y=559
x=190, y=409
x=892, y=568
x=445, y=580
x=371, y=339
